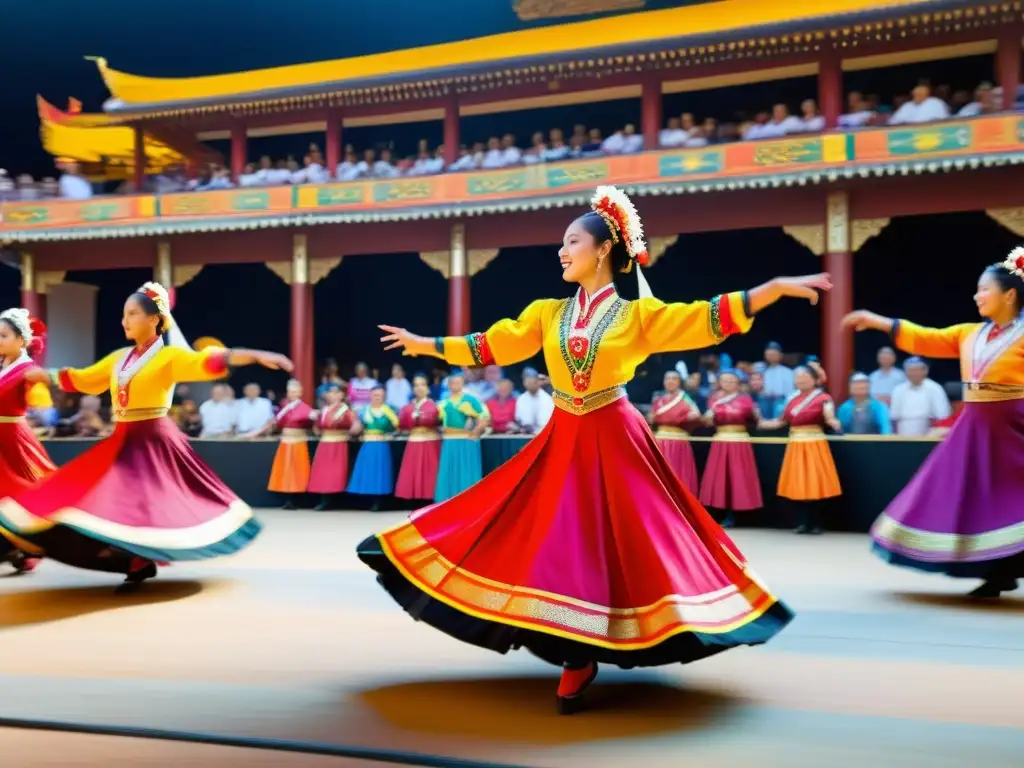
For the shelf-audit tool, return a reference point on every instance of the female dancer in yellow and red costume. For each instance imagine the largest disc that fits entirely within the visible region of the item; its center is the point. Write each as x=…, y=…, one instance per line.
x=673, y=415
x=140, y=496
x=585, y=547
x=23, y=460
x=963, y=512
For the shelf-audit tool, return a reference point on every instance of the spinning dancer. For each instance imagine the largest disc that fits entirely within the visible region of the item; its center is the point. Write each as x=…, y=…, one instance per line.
x=141, y=495
x=584, y=547
x=962, y=514
x=23, y=460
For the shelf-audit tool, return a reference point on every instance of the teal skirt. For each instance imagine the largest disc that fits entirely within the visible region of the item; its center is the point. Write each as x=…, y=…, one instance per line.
x=461, y=467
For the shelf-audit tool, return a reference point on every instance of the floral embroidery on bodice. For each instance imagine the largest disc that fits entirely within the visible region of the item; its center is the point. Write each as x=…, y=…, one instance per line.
x=582, y=326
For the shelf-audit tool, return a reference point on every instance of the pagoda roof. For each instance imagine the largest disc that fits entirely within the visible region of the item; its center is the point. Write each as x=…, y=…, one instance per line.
x=621, y=43
x=105, y=148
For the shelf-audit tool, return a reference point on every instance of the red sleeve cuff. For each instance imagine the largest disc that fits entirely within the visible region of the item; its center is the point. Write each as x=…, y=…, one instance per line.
x=64, y=381
x=480, y=349
x=722, y=322
x=216, y=363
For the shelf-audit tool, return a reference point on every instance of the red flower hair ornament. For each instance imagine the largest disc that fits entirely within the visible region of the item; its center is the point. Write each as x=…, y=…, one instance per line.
x=1015, y=262
x=31, y=329
x=618, y=211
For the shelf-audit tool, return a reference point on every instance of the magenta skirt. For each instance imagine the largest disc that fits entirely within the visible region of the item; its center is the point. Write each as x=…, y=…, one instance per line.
x=679, y=455
x=330, y=467
x=417, y=479
x=730, y=478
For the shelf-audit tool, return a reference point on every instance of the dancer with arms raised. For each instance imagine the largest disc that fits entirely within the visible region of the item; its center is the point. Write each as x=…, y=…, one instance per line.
x=963, y=512
x=140, y=496
x=585, y=547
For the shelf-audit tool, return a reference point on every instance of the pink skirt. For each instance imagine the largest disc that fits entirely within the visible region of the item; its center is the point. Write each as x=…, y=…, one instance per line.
x=417, y=479
x=679, y=455
x=730, y=479
x=330, y=466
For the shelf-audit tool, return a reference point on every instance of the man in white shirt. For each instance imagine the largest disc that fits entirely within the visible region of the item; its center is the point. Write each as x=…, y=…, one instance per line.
x=74, y=186
x=495, y=157
x=673, y=134
x=782, y=123
x=397, y=389
x=511, y=154
x=253, y=414
x=922, y=108
x=859, y=112
x=918, y=402
x=535, y=406
x=812, y=120
x=218, y=413
x=887, y=377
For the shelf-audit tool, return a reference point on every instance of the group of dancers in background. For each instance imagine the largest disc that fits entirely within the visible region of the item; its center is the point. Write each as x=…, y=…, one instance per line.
x=585, y=547
x=442, y=455
x=731, y=482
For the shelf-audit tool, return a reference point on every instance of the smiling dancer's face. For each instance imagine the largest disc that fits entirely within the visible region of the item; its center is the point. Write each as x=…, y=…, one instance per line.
x=580, y=253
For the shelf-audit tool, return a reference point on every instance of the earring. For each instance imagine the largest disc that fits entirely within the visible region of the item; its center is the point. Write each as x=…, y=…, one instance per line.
x=600, y=259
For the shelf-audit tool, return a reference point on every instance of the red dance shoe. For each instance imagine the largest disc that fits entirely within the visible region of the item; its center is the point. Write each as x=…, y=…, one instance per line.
x=572, y=686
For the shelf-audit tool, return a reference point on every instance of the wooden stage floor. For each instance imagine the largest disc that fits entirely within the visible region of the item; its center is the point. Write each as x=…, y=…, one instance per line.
x=293, y=639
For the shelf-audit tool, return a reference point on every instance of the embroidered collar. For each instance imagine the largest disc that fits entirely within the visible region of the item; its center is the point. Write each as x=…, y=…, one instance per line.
x=129, y=367
x=22, y=358
x=291, y=406
x=588, y=305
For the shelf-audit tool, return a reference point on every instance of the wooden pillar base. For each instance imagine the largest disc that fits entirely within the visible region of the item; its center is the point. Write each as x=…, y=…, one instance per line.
x=303, y=339
x=837, y=344
x=458, y=306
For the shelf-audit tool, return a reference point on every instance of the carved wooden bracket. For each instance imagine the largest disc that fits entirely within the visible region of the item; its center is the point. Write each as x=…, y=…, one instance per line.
x=656, y=247
x=318, y=269
x=1011, y=218
x=477, y=258
x=812, y=236
x=46, y=280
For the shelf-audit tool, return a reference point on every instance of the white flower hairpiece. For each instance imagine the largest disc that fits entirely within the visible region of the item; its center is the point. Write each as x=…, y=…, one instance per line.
x=159, y=296
x=1015, y=262
x=618, y=210
x=21, y=320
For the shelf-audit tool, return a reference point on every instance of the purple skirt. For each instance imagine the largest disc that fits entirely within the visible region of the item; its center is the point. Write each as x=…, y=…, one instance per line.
x=964, y=509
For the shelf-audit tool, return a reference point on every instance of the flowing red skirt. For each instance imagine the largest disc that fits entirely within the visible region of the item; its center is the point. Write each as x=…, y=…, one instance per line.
x=583, y=546
x=23, y=462
x=730, y=478
x=679, y=455
x=142, y=492
x=330, y=468
x=417, y=479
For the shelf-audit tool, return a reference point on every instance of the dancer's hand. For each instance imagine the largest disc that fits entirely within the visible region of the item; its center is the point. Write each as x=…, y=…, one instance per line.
x=410, y=344
x=862, y=320
x=274, y=361
x=805, y=287
x=37, y=376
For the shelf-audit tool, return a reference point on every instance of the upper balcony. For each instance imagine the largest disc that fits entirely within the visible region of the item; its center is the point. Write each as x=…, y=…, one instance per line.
x=957, y=145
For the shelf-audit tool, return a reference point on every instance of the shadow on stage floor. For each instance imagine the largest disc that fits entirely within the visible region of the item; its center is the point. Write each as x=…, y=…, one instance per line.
x=1006, y=604
x=522, y=709
x=42, y=606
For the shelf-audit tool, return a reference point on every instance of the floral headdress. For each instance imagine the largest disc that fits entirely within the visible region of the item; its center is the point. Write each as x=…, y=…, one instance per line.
x=31, y=329
x=619, y=213
x=1015, y=262
x=158, y=294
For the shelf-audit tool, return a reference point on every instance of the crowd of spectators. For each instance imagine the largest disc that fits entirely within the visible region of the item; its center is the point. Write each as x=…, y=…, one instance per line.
x=923, y=104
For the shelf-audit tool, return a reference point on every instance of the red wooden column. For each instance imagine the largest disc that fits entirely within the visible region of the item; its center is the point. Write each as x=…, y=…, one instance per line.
x=139, y=172
x=837, y=344
x=830, y=88
x=302, y=330
x=163, y=272
x=458, y=284
x=30, y=298
x=452, y=138
x=333, y=148
x=1008, y=63
x=650, y=112
x=238, y=151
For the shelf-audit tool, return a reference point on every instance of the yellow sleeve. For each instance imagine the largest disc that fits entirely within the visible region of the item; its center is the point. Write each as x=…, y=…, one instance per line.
x=391, y=416
x=94, y=380
x=39, y=396
x=679, y=327
x=504, y=343
x=930, y=342
x=187, y=365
